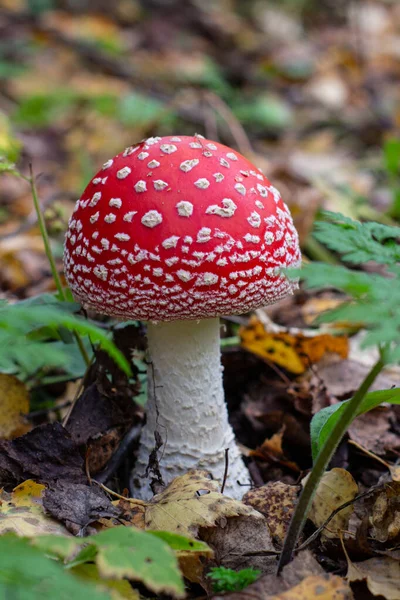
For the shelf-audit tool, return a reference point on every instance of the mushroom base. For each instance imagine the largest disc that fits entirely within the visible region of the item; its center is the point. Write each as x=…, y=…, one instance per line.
x=186, y=408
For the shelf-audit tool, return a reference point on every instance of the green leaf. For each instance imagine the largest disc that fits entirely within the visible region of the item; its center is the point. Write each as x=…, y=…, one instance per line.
x=21, y=326
x=324, y=421
x=60, y=546
x=391, y=153
x=228, y=580
x=180, y=542
x=27, y=574
x=138, y=555
x=358, y=242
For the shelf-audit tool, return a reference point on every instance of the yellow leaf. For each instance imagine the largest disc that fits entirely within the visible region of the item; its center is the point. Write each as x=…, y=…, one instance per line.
x=13, y=406
x=293, y=351
x=192, y=501
x=22, y=512
x=336, y=488
x=315, y=306
x=323, y=587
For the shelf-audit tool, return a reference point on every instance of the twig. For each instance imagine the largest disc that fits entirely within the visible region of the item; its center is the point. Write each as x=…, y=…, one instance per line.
x=316, y=533
x=119, y=454
x=112, y=493
x=226, y=470
x=237, y=130
x=87, y=469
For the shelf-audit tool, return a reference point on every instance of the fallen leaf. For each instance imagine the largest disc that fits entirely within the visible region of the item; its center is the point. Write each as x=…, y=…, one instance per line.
x=21, y=511
x=26, y=572
x=98, y=422
x=372, y=431
x=192, y=555
x=315, y=306
x=119, y=587
x=276, y=501
x=271, y=451
x=192, y=501
x=302, y=579
x=14, y=406
x=342, y=378
x=294, y=352
x=192, y=505
x=336, y=487
x=381, y=574
x=241, y=543
x=45, y=454
x=385, y=514
x=77, y=505
x=131, y=553
x=323, y=587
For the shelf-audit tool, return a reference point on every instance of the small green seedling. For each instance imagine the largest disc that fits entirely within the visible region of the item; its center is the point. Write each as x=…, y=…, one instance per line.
x=228, y=580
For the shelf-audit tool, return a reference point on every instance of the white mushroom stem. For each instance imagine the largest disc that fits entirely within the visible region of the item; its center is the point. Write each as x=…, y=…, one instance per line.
x=186, y=406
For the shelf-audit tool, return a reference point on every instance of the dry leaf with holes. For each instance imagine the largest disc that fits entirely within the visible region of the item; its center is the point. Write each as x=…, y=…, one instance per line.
x=13, y=407
x=193, y=505
x=292, y=350
x=381, y=574
x=336, y=488
x=192, y=501
x=22, y=512
x=276, y=501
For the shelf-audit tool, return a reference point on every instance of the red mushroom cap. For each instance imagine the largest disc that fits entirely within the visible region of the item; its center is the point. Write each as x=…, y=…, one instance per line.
x=179, y=228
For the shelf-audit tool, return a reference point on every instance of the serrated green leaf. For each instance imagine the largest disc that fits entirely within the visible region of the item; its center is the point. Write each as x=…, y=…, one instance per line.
x=323, y=422
x=358, y=242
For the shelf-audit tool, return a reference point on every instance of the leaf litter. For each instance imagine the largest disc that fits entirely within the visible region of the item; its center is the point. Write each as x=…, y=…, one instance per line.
x=318, y=133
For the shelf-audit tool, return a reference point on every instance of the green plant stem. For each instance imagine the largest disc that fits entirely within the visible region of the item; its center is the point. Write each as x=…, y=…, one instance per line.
x=321, y=463
x=317, y=251
x=50, y=257
x=45, y=236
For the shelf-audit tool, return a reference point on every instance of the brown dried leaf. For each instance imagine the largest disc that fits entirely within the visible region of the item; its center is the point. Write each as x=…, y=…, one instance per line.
x=271, y=451
x=78, y=505
x=301, y=579
x=385, y=517
x=45, y=454
x=276, y=501
x=241, y=543
x=336, y=487
x=14, y=406
x=381, y=574
x=371, y=431
x=323, y=587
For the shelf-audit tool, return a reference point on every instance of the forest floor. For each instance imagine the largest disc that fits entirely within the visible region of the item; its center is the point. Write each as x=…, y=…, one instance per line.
x=310, y=93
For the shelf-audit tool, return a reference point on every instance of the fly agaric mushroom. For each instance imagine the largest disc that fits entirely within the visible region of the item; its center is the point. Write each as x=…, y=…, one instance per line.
x=179, y=231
